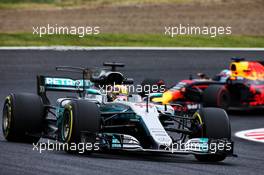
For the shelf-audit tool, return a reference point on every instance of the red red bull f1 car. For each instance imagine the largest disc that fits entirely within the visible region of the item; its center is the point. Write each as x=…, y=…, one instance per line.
x=240, y=86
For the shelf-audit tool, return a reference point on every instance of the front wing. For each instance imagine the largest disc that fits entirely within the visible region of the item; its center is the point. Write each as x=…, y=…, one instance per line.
x=195, y=146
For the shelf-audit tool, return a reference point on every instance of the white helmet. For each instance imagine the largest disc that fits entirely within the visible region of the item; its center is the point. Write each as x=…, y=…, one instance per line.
x=224, y=75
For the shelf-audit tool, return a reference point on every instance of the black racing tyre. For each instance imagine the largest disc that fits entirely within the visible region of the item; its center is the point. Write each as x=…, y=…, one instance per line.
x=22, y=117
x=216, y=96
x=215, y=125
x=80, y=117
x=150, y=85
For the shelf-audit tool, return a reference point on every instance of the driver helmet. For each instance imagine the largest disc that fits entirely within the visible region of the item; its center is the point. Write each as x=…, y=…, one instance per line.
x=224, y=75
x=119, y=93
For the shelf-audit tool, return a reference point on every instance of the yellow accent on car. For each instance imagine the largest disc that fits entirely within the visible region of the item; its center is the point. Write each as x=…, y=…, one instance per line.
x=240, y=68
x=243, y=69
x=69, y=107
x=120, y=89
x=196, y=114
x=165, y=99
x=157, y=99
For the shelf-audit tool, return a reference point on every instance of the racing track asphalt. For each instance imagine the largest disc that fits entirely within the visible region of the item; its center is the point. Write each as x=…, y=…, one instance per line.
x=17, y=74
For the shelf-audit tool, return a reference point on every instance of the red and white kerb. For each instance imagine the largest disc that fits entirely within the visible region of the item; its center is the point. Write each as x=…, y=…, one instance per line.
x=256, y=135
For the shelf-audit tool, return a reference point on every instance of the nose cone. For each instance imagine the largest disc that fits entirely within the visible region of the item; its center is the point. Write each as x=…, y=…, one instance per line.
x=167, y=97
x=170, y=96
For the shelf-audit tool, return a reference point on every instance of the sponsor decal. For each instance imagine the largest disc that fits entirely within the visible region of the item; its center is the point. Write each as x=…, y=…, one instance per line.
x=66, y=82
x=60, y=81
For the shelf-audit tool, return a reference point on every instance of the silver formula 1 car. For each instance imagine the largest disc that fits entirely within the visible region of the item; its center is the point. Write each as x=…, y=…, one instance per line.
x=124, y=124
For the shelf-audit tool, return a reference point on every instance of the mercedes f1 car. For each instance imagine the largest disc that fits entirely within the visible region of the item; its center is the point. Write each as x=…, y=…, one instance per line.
x=241, y=86
x=125, y=124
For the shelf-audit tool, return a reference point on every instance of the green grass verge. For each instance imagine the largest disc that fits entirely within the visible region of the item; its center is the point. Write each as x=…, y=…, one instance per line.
x=151, y=40
x=40, y=4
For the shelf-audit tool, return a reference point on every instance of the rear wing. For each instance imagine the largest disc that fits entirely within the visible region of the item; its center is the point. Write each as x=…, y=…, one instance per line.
x=47, y=83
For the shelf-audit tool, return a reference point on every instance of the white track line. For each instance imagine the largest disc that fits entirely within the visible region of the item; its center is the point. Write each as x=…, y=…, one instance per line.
x=66, y=48
x=256, y=135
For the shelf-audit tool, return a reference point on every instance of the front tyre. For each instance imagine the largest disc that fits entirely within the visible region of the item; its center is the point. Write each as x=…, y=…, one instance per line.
x=80, y=124
x=214, y=124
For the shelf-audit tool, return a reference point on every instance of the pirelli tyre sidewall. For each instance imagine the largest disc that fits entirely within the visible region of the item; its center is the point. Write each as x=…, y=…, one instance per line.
x=22, y=117
x=216, y=96
x=7, y=117
x=214, y=124
x=80, y=123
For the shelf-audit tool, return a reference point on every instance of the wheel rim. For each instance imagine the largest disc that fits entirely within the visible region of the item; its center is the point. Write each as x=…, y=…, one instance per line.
x=6, y=118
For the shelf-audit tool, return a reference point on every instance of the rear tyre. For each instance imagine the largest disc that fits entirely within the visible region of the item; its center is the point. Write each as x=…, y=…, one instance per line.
x=215, y=124
x=216, y=96
x=80, y=124
x=22, y=117
x=150, y=85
